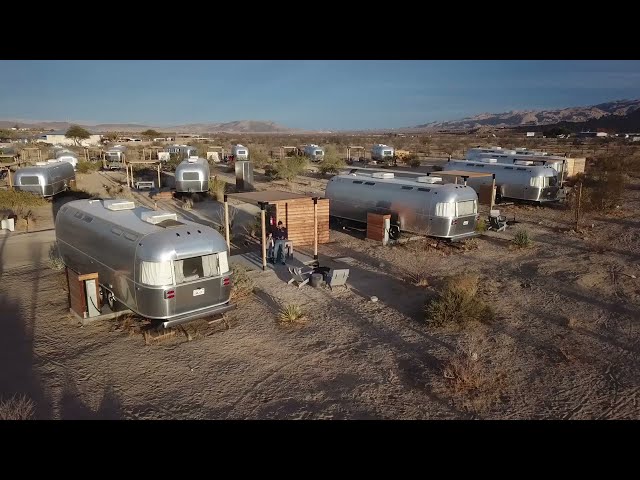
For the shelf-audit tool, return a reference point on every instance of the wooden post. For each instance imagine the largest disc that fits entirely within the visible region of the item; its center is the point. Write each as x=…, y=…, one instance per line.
x=493, y=192
x=126, y=167
x=315, y=228
x=264, y=236
x=456, y=180
x=159, y=182
x=9, y=175
x=578, y=205
x=226, y=223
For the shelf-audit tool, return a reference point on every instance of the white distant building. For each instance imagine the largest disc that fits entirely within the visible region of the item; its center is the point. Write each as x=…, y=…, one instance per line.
x=531, y=134
x=58, y=138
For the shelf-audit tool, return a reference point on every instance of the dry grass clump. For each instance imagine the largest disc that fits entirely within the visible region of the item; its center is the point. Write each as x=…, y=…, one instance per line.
x=458, y=304
x=243, y=284
x=17, y=408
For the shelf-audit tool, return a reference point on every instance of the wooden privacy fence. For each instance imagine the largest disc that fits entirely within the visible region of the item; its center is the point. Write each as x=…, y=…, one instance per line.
x=297, y=216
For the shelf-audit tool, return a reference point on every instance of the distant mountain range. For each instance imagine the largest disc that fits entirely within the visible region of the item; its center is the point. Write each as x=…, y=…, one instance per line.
x=619, y=115
x=516, y=118
x=239, y=126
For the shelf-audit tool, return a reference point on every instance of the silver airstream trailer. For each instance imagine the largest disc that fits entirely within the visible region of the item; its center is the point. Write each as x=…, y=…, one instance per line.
x=518, y=182
x=69, y=158
x=521, y=157
x=114, y=157
x=314, y=152
x=45, y=178
x=415, y=204
x=192, y=175
x=381, y=153
x=182, y=151
x=158, y=264
x=240, y=152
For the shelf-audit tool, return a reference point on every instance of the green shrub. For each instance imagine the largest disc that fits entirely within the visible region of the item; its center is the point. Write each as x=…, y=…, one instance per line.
x=331, y=164
x=289, y=168
x=413, y=161
x=457, y=304
x=521, y=239
x=259, y=158
x=481, y=225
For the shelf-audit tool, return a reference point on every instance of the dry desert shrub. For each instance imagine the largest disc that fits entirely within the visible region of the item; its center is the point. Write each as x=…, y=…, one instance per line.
x=419, y=280
x=217, y=188
x=291, y=314
x=472, y=380
x=458, y=304
x=17, y=408
x=243, y=284
x=55, y=260
x=14, y=199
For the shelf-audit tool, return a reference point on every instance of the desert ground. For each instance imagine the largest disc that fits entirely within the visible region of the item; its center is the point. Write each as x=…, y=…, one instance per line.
x=563, y=343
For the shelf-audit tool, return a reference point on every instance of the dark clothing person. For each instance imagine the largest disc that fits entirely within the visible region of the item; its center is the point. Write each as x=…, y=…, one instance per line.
x=280, y=233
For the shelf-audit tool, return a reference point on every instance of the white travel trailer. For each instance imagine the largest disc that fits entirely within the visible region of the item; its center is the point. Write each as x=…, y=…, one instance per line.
x=192, y=176
x=381, y=153
x=157, y=263
x=518, y=182
x=420, y=205
x=240, y=152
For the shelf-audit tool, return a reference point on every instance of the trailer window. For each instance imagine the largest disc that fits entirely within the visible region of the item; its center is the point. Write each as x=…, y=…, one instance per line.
x=387, y=152
x=29, y=180
x=551, y=181
x=191, y=176
x=445, y=209
x=156, y=273
x=242, y=152
x=537, y=182
x=468, y=207
x=318, y=152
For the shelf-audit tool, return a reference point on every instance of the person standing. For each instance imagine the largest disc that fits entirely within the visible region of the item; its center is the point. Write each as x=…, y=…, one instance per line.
x=280, y=235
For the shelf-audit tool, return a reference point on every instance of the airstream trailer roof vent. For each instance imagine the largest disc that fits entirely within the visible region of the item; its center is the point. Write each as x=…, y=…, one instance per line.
x=489, y=160
x=382, y=175
x=117, y=205
x=193, y=159
x=154, y=216
x=429, y=179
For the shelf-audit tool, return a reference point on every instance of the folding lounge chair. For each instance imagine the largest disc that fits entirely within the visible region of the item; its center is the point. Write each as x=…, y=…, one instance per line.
x=299, y=276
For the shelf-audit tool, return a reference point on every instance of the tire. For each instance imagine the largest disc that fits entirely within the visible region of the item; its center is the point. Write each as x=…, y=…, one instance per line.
x=394, y=232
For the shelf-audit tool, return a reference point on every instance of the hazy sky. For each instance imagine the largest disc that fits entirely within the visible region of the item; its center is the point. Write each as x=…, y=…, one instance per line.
x=310, y=94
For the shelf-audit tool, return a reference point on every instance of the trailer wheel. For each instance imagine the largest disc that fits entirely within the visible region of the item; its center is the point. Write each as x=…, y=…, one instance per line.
x=394, y=232
x=111, y=300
